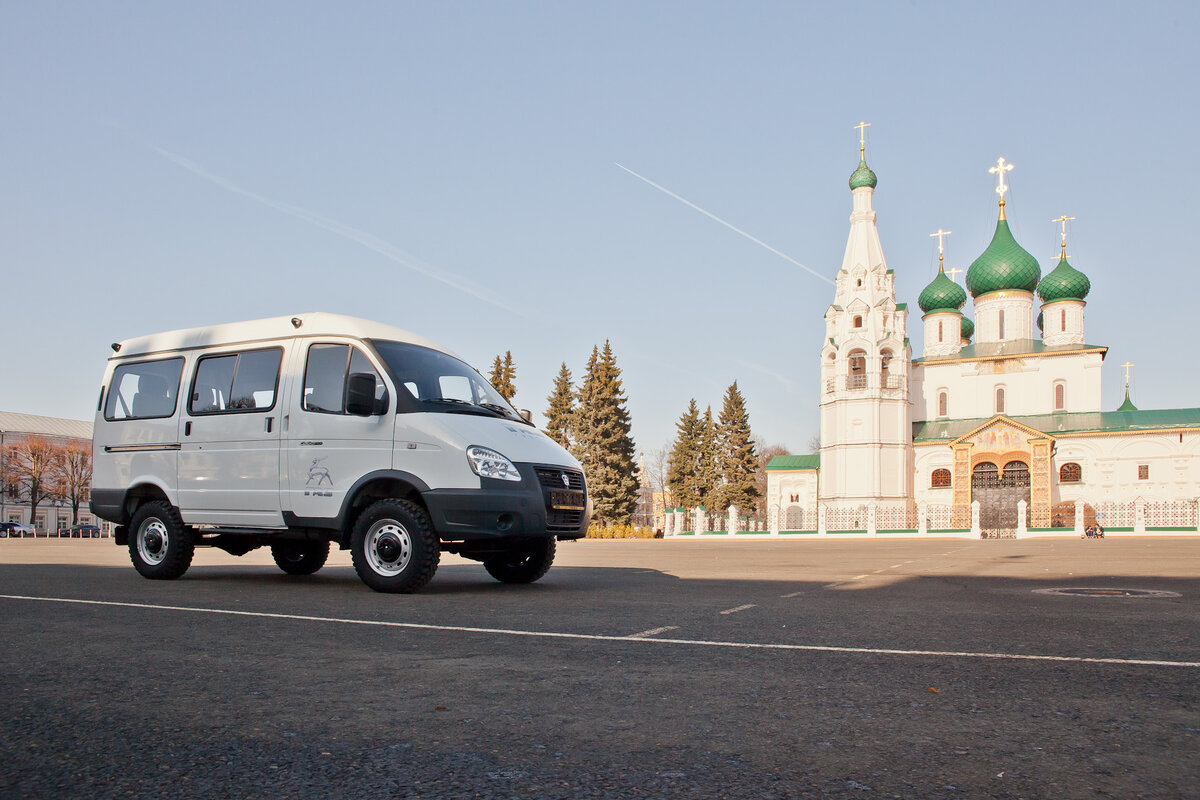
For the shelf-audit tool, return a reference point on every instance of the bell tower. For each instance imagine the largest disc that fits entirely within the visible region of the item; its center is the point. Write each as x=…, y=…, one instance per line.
x=866, y=427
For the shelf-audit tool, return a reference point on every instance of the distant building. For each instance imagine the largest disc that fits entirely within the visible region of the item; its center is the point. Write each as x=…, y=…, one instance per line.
x=54, y=513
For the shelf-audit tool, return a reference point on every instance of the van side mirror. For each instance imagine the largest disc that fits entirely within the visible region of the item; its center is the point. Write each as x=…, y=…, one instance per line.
x=360, y=394
x=527, y=415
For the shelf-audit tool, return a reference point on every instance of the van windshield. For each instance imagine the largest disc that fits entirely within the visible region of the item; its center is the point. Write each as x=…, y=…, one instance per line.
x=428, y=380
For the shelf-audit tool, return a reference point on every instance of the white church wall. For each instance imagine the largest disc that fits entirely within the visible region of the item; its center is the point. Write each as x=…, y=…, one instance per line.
x=1004, y=317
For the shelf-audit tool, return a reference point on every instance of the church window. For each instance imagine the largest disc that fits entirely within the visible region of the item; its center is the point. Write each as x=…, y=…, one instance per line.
x=1070, y=473
x=1000, y=400
x=1143, y=472
x=1062, y=319
x=793, y=498
x=943, y=402
x=885, y=360
x=1060, y=397
x=858, y=321
x=940, y=478
x=1001, y=321
x=857, y=379
x=939, y=330
x=859, y=285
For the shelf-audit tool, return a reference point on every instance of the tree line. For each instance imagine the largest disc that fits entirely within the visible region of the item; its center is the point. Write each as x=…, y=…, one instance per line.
x=714, y=463
x=37, y=471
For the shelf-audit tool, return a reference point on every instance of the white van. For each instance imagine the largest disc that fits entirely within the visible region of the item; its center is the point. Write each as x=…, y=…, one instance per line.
x=295, y=432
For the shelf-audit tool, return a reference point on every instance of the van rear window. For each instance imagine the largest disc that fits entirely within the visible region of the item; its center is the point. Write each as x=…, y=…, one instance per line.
x=144, y=390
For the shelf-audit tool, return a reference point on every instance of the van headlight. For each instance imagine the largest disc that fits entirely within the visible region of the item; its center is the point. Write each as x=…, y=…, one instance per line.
x=489, y=464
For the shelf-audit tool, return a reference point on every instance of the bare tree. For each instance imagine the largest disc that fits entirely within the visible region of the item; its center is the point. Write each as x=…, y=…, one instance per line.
x=30, y=466
x=73, y=475
x=658, y=466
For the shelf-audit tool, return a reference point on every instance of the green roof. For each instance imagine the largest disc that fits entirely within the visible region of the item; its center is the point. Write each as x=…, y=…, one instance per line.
x=1064, y=283
x=863, y=176
x=1066, y=423
x=1004, y=265
x=1128, y=404
x=1010, y=348
x=966, y=328
x=795, y=462
x=901, y=306
x=942, y=294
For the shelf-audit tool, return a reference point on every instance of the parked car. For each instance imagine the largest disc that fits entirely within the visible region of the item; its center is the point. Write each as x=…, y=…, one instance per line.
x=83, y=531
x=16, y=530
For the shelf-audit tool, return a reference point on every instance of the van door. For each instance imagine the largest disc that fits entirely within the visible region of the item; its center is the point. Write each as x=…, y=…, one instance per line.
x=229, y=455
x=327, y=449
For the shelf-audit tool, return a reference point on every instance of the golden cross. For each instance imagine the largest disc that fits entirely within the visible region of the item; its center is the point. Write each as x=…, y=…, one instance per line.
x=1064, y=219
x=941, y=234
x=862, y=139
x=1127, y=365
x=953, y=272
x=999, y=170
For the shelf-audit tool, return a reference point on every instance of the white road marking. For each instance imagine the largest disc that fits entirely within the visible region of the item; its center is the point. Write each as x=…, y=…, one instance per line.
x=816, y=648
x=896, y=566
x=739, y=608
x=793, y=594
x=654, y=631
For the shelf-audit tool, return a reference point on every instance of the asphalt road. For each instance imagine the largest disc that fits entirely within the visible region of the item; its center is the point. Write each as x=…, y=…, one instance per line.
x=697, y=669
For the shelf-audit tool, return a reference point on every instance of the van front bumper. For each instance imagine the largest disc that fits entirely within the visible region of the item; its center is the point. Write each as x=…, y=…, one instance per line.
x=497, y=511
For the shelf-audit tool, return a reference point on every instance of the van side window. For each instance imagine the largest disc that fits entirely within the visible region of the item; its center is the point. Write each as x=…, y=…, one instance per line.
x=327, y=373
x=236, y=382
x=145, y=390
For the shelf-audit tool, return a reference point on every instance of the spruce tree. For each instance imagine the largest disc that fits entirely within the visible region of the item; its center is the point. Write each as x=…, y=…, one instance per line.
x=736, y=458
x=560, y=414
x=685, y=457
x=603, y=443
x=503, y=376
x=708, y=476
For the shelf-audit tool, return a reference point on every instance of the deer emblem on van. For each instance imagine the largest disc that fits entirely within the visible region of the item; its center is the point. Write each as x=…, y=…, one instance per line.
x=318, y=473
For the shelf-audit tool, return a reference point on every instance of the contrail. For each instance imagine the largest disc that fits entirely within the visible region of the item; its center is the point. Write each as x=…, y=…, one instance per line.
x=733, y=228
x=787, y=385
x=363, y=238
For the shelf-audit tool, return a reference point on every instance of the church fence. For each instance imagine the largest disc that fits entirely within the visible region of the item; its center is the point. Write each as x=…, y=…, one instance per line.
x=1164, y=517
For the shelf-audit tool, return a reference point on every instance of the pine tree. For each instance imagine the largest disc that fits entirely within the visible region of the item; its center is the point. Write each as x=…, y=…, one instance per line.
x=681, y=474
x=560, y=415
x=602, y=441
x=708, y=476
x=503, y=376
x=736, y=458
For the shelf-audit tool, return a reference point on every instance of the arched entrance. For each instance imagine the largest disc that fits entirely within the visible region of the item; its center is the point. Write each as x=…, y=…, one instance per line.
x=998, y=492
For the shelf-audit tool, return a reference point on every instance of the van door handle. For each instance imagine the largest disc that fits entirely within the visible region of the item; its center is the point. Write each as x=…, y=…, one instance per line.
x=187, y=428
x=269, y=421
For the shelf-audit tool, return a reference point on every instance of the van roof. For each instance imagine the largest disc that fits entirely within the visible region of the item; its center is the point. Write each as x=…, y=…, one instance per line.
x=317, y=323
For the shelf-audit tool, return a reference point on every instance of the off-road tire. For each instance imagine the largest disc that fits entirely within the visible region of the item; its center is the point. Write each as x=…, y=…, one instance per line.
x=300, y=558
x=160, y=545
x=393, y=547
x=524, y=563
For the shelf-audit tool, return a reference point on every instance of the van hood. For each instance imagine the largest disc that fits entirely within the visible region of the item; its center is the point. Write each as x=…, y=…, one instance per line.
x=514, y=440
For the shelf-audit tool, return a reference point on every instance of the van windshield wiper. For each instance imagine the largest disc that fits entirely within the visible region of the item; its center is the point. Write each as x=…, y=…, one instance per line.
x=499, y=409
x=464, y=406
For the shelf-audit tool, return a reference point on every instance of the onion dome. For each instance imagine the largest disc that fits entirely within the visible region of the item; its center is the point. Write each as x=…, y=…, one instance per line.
x=942, y=294
x=967, y=329
x=1064, y=283
x=863, y=176
x=1128, y=404
x=1003, y=266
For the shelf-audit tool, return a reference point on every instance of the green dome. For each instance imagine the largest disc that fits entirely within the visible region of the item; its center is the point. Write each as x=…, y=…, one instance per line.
x=1128, y=404
x=863, y=176
x=942, y=294
x=1004, y=265
x=1064, y=283
x=967, y=328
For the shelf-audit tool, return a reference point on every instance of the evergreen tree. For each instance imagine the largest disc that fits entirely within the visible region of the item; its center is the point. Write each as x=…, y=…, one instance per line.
x=602, y=441
x=685, y=457
x=708, y=475
x=561, y=413
x=736, y=458
x=503, y=376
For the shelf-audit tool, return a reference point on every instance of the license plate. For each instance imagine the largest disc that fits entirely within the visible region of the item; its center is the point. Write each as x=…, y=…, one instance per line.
x=567, y=501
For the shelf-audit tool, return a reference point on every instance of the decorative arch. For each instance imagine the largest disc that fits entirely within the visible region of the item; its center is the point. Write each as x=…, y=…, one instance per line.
x=856, y=369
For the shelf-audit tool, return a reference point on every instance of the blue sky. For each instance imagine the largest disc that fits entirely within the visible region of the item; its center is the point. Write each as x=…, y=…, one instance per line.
x=451, y=168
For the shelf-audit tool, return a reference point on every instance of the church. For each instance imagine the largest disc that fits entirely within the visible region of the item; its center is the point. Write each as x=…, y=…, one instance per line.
x=997, y=428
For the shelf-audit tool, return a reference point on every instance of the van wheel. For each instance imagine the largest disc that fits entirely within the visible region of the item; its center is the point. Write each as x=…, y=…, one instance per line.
x=160, y=545
x=524, y=563
x=300, y=558
x=393, y=547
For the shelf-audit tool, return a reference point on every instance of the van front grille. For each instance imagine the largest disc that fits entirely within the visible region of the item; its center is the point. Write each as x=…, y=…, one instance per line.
x=557, y=481
x=552, y=478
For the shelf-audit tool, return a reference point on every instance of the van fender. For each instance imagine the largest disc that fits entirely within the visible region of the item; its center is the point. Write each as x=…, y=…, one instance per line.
x=380, y=484
x=143, y=487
